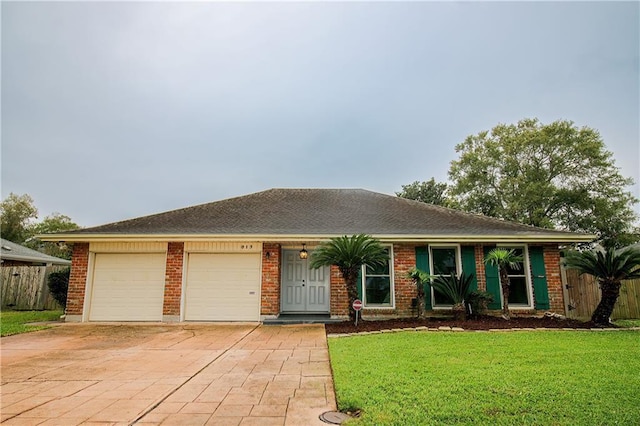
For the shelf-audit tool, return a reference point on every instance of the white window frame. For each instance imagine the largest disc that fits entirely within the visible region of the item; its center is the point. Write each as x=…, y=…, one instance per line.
x=432, y=270
x=392, y=295
x=526, y=274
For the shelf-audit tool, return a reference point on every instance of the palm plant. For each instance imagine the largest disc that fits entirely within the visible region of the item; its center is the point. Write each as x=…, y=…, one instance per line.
x=504, y=259
x=609, y=267
x=349, y=254
x=456, y=289
x=419, y=277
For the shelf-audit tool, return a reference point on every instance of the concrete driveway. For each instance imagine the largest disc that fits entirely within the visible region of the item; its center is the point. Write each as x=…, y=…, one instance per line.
x=182, y=374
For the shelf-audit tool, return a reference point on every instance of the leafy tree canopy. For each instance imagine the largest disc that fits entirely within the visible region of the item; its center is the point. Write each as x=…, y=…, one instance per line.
x=548, y=175
x=430, y=192
x=18, y=213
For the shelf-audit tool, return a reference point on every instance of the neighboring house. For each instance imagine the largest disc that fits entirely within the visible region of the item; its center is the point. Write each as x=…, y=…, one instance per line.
x=12, y=254
x=239, y=259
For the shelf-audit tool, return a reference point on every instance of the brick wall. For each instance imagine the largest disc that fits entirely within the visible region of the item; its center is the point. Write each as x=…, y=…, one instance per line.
x=404, y=258
x=173, y=279
x=339, y=297
x=480, y=272
x=270, y=302
x=77, y=279
x=551, y=254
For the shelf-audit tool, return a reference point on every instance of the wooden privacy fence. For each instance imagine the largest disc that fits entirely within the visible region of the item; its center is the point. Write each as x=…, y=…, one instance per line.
x=582, y=295
x=26, y=288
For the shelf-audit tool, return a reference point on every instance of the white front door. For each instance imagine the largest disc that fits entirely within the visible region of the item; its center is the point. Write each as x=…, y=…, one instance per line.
x=304, y=290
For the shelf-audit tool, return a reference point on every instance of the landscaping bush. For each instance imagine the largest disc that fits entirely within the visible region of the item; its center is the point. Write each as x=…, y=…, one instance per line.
x=477, y=302
x=58, y=285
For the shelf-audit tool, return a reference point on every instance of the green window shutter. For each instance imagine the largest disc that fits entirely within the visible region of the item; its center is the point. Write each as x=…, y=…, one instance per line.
x=493, y=281
x=359, y=284
x=422, y=263
x=469, y=265
x=541, y=292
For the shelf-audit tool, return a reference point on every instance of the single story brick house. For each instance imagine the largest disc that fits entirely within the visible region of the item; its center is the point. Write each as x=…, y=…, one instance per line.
x=240, y=259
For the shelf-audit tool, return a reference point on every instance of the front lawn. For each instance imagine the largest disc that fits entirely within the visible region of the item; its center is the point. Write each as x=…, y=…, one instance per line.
x=13, y=322
x=511, y=378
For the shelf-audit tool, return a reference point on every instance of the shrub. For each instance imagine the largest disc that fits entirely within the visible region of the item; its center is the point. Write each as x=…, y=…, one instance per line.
x=58, y=285
x=477, y=302
x=456, y=289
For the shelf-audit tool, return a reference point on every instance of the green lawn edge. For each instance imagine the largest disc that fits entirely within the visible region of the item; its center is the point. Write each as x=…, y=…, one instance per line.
x=533, y=378
x=15, y=322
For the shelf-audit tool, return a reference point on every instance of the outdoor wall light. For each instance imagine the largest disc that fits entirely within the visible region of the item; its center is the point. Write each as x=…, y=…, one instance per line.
x=304, y=253
x=268, y=255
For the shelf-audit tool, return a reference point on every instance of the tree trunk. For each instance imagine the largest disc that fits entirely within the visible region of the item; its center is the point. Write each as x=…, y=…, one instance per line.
x=504, y=281
x=610, y=290
x=459, y=312
x=420, y=287
x=351, y=280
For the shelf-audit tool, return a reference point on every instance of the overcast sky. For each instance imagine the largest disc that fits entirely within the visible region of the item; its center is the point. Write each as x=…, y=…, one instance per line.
x=116, y=110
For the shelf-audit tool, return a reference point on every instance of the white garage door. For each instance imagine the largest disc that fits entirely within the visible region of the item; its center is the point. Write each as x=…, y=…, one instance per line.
x=223, y=287
x=127, y=287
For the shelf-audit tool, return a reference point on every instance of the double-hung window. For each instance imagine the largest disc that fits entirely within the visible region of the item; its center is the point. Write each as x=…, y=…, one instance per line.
x=519, y=279
x=445, y=261
x=378, y=284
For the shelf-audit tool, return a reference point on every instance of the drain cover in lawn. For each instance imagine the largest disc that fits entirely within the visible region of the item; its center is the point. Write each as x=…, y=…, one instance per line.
x=333, y=417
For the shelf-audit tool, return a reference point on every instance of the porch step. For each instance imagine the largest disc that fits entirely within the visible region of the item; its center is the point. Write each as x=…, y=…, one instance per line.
x=300, y=319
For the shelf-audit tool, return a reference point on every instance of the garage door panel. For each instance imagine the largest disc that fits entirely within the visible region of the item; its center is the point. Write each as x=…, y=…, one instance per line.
x=127, y=287
x=223, y=287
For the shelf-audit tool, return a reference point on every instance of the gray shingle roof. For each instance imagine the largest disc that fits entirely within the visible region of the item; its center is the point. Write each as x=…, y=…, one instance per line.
x=319, y=212
x=13, y=251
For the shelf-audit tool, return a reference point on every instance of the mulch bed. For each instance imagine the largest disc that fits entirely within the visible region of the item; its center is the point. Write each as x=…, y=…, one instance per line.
x=481, y=323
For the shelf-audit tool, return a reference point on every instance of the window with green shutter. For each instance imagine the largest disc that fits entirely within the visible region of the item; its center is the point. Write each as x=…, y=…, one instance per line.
x=520, y=294
x=445, y=261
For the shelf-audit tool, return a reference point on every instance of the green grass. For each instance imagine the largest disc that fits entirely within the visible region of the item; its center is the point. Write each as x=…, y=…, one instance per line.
x=627, y=323
x=13, y=322
x=515, y=378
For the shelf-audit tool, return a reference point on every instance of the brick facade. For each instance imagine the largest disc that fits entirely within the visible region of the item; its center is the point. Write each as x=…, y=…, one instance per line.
x=270, y=301
x=77, y=279
x=173, y=280
x=339, y=304
x=480, y=272
x=554, y=279
x=404, y=258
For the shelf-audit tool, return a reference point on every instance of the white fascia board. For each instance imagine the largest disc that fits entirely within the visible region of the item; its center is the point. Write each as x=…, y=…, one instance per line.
x=26, y=258
x=540, y=238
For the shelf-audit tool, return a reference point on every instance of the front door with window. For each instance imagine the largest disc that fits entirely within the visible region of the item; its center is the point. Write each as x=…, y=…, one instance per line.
x=304, y=290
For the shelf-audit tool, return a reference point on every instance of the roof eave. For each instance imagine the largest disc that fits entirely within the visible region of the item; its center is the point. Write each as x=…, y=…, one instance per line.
x=34, y=259
x=512, y=238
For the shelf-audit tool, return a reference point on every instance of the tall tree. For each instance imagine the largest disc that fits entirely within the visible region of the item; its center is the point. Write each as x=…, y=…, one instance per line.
x=56, y=222
x=504, y=259
x=349, y=254
x=610, y=268
x=17, y=213
x=430, y=192
x=554, y=176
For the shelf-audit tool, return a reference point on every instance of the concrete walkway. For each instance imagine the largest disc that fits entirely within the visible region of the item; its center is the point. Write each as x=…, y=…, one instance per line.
x=193, y=374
